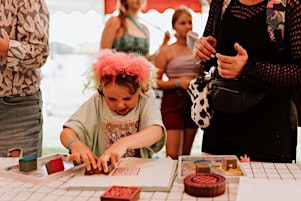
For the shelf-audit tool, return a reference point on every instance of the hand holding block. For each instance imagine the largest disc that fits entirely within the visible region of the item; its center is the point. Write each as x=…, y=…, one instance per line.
x=96, y=171
x=55, y=165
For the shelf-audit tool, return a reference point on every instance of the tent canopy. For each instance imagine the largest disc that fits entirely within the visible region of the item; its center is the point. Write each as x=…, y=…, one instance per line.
x=159, y=5
x=68, y=6
x=109, y=6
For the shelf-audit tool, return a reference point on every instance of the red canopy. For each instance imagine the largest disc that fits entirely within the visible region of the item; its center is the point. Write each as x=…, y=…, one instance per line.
x=159, y=5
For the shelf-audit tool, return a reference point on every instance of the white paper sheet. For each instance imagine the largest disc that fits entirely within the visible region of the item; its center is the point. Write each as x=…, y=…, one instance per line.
x=268, y=190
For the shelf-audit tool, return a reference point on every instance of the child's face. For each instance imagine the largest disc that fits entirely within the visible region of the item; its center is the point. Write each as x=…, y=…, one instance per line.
x=119, y=99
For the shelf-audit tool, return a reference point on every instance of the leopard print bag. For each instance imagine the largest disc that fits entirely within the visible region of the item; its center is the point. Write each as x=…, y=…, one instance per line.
x=200, y=90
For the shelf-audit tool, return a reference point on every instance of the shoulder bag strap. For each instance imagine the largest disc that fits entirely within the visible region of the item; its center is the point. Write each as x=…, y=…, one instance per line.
x=217, y=17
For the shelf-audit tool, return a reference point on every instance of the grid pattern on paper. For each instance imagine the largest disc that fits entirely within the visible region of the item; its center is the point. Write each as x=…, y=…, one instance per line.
x=273, y=171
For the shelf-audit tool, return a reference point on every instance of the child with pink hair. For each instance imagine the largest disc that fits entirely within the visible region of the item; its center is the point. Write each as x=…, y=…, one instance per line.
x=121, y=119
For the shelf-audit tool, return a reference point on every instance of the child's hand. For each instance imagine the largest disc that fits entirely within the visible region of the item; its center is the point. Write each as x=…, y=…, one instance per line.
x=81, y=153
x=111, y=155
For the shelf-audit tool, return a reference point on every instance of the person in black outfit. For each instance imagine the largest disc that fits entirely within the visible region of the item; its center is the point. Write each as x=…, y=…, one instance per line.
x=243, y=50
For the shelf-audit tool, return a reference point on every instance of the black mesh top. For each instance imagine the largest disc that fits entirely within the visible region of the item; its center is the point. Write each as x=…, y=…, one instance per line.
x=266, y=128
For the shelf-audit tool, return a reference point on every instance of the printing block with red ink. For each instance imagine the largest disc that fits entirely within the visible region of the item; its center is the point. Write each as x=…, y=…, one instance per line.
x=55, y=165
x=204, y=184
x=96, y=171
x=124, y=193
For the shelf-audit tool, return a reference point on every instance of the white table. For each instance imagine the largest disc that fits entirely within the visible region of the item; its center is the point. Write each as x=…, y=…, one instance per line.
x=13, y=189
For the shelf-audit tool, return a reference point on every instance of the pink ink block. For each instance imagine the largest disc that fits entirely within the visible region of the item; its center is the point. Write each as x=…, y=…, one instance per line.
x=55, y=165
x=121, y=193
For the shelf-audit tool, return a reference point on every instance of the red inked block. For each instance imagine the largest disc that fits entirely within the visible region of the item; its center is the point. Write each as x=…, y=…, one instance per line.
x=205, y=184
x=55, y=165
x=121, y=193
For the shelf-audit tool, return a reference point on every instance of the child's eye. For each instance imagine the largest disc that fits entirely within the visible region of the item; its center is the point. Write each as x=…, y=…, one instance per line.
x=127, y=99
x=112, y=99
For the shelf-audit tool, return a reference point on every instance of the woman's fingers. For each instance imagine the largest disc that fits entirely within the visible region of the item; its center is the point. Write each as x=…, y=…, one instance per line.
x=204, y=48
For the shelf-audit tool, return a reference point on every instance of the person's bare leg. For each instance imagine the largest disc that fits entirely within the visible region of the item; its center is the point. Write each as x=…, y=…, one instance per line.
x=174, y=143
x=188, y=140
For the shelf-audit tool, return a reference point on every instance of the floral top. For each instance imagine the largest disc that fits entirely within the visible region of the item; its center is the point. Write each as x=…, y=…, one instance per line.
x=26, y=24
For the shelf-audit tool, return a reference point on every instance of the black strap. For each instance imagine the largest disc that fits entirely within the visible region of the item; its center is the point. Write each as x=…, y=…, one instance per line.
x=217, y=17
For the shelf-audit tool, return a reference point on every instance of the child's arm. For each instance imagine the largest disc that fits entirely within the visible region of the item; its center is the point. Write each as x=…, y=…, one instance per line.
x=144, y=138
x=79, y=151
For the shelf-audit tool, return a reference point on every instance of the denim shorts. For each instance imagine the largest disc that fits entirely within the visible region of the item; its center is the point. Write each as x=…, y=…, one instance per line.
x=21, y=121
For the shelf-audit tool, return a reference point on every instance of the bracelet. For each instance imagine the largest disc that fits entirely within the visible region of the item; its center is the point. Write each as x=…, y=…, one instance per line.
x=71, y=142
x=177, y=83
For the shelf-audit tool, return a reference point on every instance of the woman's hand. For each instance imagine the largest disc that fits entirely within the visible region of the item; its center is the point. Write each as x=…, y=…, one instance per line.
x=230, y=67
x=166, y=38
x=204, y=48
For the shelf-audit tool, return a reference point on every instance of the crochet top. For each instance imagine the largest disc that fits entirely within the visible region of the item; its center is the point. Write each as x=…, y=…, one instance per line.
x=266, y=129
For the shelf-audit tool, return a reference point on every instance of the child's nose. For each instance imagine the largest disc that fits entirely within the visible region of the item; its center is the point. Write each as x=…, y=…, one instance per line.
x=120, y=105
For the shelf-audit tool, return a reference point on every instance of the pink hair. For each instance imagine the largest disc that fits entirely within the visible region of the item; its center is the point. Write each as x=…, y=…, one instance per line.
x=110, y=63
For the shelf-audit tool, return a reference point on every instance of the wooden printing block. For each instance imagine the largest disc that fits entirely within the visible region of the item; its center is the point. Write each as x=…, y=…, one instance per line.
x=204, y=184
x=121, y=193
x=202, y=168
x=27, y=164
x=229, y=162
x=96, y=171
x=55, y=165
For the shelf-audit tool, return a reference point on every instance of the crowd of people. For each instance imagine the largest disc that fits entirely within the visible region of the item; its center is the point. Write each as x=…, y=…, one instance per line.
x=122, y=119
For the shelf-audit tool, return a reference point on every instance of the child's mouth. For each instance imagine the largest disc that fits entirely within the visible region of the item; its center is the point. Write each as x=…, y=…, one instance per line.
x=123, y=111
